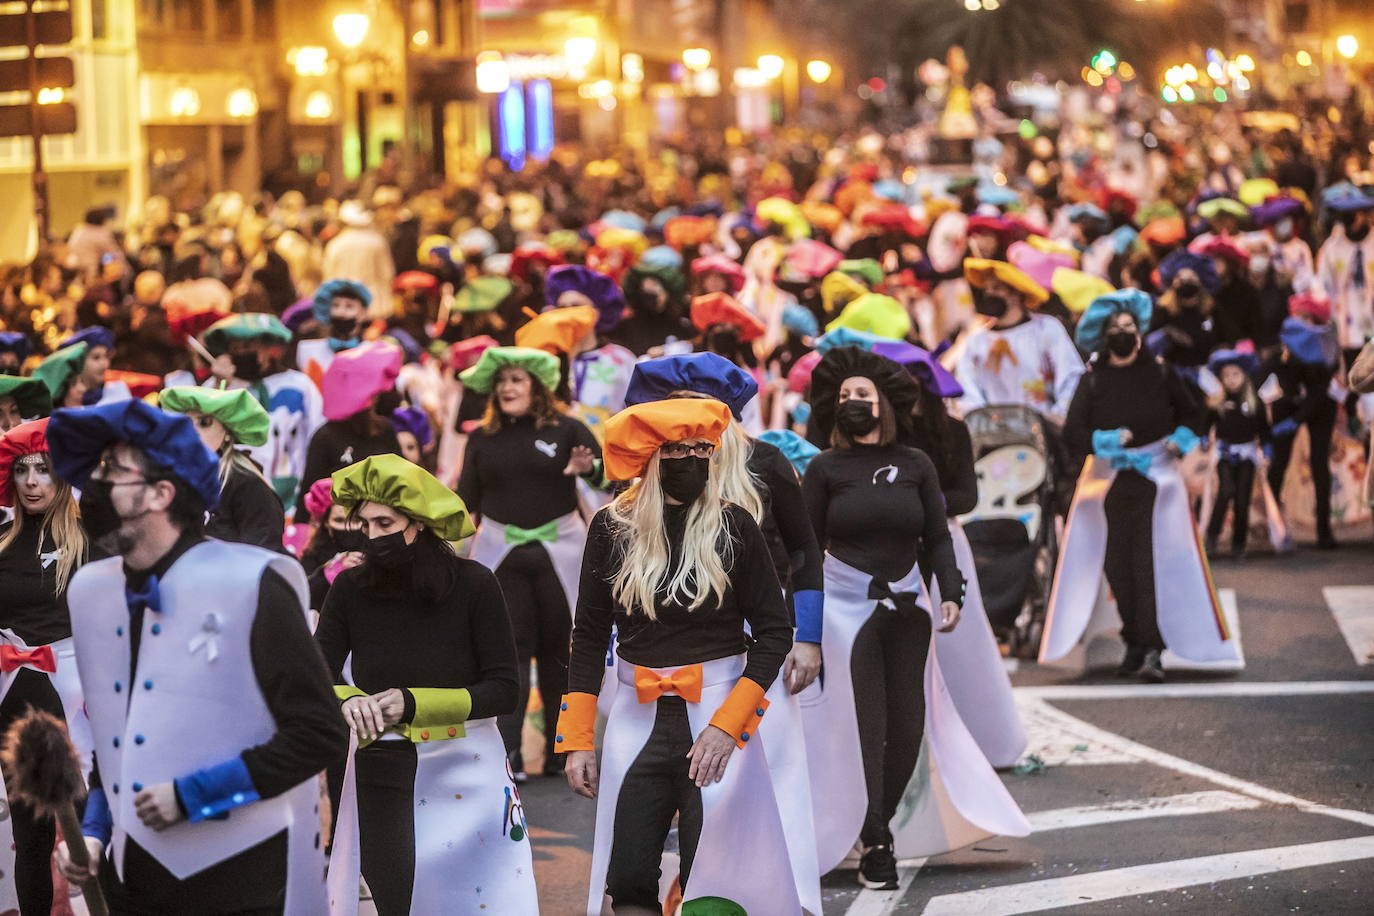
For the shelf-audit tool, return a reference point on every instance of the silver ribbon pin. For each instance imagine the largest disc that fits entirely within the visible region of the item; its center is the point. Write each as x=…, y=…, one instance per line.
x=208, y=638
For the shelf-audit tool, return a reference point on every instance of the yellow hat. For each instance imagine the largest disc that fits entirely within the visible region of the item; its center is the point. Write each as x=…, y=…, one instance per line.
x=634, y=434
x=978, y=270
x=1077, y=289
x=874, y=313
x=839, y=289
x=1049, y=246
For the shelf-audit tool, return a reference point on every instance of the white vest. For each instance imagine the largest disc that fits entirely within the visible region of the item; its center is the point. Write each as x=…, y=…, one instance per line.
x=184, y=711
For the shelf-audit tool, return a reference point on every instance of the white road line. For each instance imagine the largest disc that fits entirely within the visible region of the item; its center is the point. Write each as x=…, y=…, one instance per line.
x=880, y=903
x=1193, y=691
x=1140, y=809
x=1353, y=608
x=1116, y=883
x=1047, y=739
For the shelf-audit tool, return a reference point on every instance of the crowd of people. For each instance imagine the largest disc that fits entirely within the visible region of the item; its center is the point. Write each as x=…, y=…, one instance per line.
x=705, y=438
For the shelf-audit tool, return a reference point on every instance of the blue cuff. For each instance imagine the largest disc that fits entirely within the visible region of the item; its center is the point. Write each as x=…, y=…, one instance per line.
x=1184, y=439
x=215, y=791
x=808, y=605
x=1106, y=441
x=801, y=413
x=97, y=821
x=1284, y=428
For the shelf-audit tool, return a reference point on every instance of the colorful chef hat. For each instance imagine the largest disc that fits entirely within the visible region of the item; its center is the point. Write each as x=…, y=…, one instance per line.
x=799, y=376
x=687, y=231
x=1093, y=325
x=1077, y=289
x=415, y=421
x=1220, y=246
x=539, y=364
x=794, y=448
x=808, y=259
x=669, y=277
x=16, y=343
x=1276, y=209
x=240, y=413
x=847, y=337
x=390, y=480
x=822, y=215
x=1085, y=212
x=624, y=219
x=839, y=289
x=636, y=433
x=704, y=373
x=720, y=264
x=1346, y=198
x=1309, y=306
x=328, y=291
x=319, y=498
x=1240, y=356
x=1164, y=231
x=800, y=320
x=1187, y=260
x=1211, y=209
x=891, y=379
x=874, y=313
x=718, y=308
x=786, y=214
x=526, y=256
x=865, y=269
x=92, y=337
x=599, y=288
x=355, y=377
x=1038, y=265
x=24, y=439
x=77, y=437
x=659, y=256
x=465, y=353
x=482, y=294
x=60, y=367
x=557, y=331
x=977, y=271
x=247, y=326
x=30, y=394
x=415, y=281
x=926, y=368
x=994, y=224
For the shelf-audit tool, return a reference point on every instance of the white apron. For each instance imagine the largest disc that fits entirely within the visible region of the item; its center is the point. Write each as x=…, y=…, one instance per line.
x=742, y=855
x=472, y=848
x=954, y=797
x=1190, y=616
x=781, y=731
x=491, y=543
x=973, y=669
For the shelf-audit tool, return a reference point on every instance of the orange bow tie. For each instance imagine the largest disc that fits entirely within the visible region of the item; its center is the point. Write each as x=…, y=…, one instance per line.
x=685, y=682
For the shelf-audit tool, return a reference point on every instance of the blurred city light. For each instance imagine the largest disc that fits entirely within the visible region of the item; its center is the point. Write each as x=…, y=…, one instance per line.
x=493, y=74
x=310, y=60
x=50, y=96
x=1304, y=59
x=580, y=51
x=243, y=103
x=319, y=106
x=818, y=70
x=1347, y=46
x=770, y=65
x=420, y=38
x=696, y=58
x=185, y=103
x=1246, y=63
x=351, y=28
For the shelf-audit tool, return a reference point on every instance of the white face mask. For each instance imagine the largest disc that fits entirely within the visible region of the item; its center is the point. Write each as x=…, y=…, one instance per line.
x=1259, y=263
x=1283, y=229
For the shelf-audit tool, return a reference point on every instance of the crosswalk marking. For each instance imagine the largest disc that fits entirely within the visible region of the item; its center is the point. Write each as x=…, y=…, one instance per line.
x=1202, y=689
x=1140, y=809
x=1056, y=745
x=1113, y=884
x=880, y=903
x=1353, y=608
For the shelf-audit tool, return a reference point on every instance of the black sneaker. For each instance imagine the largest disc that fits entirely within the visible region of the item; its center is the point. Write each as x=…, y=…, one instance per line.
x=1151, y=669
x=1131, y=663
x=878, y=868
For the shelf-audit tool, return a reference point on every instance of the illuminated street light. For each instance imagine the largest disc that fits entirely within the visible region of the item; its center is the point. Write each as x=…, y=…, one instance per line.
x=185, y=103
x=243, y=103
x=50, y=96
x=1347, y=46
x=696, y=59
x=579, y=51
x=1304, y=59
x=351, y=28
x=310, y=60
x=493, y=74
x=770, y=65
x=420, y=38
x=319, y=106
x=818, y=70
x=1246, y=63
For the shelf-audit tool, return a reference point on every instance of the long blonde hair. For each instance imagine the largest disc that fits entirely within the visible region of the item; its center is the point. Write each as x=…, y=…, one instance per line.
x=637, y=523
x=61, y=522
x=231, y=457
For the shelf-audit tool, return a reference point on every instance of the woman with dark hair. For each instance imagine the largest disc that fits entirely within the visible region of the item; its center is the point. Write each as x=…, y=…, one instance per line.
x=1130, y=421
x=657, y=294
x=420, y=648
x=519, y=480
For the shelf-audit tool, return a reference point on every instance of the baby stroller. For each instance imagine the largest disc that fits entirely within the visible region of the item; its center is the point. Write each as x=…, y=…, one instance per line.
x=1012, y=531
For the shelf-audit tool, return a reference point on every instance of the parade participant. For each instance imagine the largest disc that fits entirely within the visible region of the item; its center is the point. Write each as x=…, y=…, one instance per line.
x=876, y=507
x=657, y=296
x=340, y=307
x=596, y=377
x=566, y=333
x=413, y=433
x=40, y=549
x=519, y=479
x=1281, y=262
x=419, y=644
x=100, y=343
x=1130, y=421
x=1344, y=262
x=22, y=399
x=679, y=574
x=14, y=349
x=1181, y=331
x=249, y=511
x=1015, y=355
x=179, y=629
x=360, y=253
x=716, y=274
x=62, y=371
x=358, y=396
x=1236, y=308
x=335, y=544
x=1240, y=426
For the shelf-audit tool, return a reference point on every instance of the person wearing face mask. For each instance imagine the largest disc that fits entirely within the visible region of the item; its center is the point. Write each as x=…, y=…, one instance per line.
x=1129, y=423
x=1182, y=330
x=178, y=631
x=600, y=370
x=40, y=548
x=22, y=399
x=1344, y=263
x=249, y=511
x=877, y=510
x=1235, y=313
x=1014, y=355
x=340, y=308
x=656, y=295
x=1280, y=264
x=519, y=480
x=335, y=544
x=419, y=645
x=679, y=573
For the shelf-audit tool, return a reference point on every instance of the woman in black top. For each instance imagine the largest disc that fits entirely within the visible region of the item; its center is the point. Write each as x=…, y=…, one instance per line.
x=519, y=479
x=420, y=646
x=40, y=549
x=679, y=574
x=876, y=507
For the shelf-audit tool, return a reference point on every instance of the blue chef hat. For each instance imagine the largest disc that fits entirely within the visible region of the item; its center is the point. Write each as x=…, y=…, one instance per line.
x=1186, y=260
x=703, y=373
x=94, y=336
x=14, y=342
x=324, y=295
x=77, y=437
x=794, y=448
x=1093, y=325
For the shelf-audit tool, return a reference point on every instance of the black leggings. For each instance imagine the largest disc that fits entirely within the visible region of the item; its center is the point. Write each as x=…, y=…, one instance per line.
x=888, y=668
x=1235, y=487
x=1130, y=560
x=655, y=788
x=543, y=629
x=1320, y=423
x=386, y=823
x=33, y=837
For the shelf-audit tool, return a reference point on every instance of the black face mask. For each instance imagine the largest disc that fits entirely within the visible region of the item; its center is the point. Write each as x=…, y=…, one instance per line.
x=684, y=479
x=99, y=517
x=343, y=328
x=1188, y=290
x=992, y=306
x=1121, y=343
x=246, y=366
x=856, y=418
x=390, y=550
x=348, y=540
x=1356, y=235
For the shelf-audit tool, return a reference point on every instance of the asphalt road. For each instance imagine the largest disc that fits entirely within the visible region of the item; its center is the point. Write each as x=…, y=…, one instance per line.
x=1249, y=793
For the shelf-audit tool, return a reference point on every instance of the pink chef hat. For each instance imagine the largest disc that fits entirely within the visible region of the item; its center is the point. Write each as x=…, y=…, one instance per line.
x=318, y=498
x=357, y=376
x=1038, y=265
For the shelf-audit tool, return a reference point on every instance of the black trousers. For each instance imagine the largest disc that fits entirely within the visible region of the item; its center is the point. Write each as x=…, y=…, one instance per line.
x=542, y=622
x=386, y=823
x=1235, y=486
x=888, y=668
x=1319, y=426
x=656, y=787
x=1130, y=562
x=33, y=837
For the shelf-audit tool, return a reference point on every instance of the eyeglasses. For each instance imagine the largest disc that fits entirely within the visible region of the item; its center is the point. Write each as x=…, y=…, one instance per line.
x=107, y=467
x=682, y=450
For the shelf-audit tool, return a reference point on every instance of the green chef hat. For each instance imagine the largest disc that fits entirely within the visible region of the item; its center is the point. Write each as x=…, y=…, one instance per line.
x=539, y=364
x=29, y=393
x=57, y=370
x=245, y=326
x=238, y=410
x=390, y=480
x=482, y=294
x=865, y=268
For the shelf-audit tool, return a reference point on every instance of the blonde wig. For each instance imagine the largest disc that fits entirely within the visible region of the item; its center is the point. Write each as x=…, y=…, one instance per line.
x=62, y=524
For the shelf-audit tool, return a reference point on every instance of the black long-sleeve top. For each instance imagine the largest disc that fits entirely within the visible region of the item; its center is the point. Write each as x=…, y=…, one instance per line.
x=515, y=475
x=1236, y=313
x=878, y=508
x=249, y=512
x=335, y=446
x=30, y=605
x=398, y=639
x=1145, y=397
x=958, y=476
x=1196, y=327
x=1235, y=421
x=786, y=526
x=1304, y=387
x=678, y=636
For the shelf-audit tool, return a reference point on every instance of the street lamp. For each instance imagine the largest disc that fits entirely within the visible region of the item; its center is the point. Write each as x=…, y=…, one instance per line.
x=1347, y=46
x=818, y=70
x=770, y=65
x=351, y=28
x=696, y=59
x=580, y=52
x=493, y=73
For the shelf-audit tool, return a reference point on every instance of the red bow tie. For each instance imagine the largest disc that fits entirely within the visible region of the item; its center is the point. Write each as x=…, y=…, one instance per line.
x=41, y=658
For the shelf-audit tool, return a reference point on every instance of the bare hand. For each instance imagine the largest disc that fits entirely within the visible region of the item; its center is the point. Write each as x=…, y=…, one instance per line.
x=94, y=851
x=364, y=715
x=157, y=806
x=802, y=666
x=1173, y=449
x=581, y=462
x=1126, y=436
x=393, y=705
x=581, y=773
x=949, y=616
x=709, y=755
x=223, y=367
x=348, y=559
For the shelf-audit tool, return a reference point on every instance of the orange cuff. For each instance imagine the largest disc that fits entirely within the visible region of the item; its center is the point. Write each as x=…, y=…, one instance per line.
x=739, y=715
x=576, y=723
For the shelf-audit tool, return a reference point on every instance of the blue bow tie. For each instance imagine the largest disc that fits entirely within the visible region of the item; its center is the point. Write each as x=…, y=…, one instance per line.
x=338, y=345
x=149, y=597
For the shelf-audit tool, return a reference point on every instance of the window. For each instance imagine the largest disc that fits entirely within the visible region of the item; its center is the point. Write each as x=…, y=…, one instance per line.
x=228, y=18
x=100, y=22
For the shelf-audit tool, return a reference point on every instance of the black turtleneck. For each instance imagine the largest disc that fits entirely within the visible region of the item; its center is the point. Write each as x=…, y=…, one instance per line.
x=515, y=475
x=30, y=605
x=1144, y=396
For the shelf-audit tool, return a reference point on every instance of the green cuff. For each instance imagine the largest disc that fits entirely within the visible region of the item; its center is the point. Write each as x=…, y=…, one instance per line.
x=346, y=692
x=439, y=714
x=596, y=477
